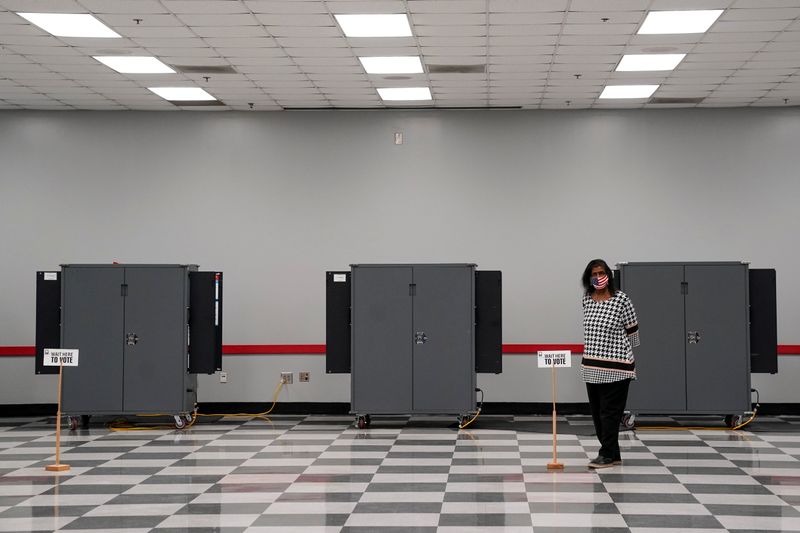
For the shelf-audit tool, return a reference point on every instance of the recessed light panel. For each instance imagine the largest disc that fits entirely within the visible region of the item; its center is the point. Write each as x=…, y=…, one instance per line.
x=135, y=64
x=392, y=65
x=405, y=93
x=649, y=62
x=175, y=94
x=695, y=21
x=374, y=25
x=70, y=25
x=628, y=91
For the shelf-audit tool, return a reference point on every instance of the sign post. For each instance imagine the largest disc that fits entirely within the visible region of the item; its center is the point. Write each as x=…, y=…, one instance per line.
x=553, y=359
x=59, y=358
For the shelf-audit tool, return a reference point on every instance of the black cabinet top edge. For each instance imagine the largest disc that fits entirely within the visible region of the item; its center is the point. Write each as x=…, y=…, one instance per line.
x=373, y=265
x=127, y=265
x=680, y=263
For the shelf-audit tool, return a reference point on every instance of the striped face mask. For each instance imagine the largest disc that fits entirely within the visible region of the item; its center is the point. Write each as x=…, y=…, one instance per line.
x=600, y=282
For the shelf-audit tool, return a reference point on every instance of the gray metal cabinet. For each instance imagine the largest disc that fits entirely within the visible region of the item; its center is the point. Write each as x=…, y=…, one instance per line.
x=143, y=333
x=413, y=345
x=694, y=322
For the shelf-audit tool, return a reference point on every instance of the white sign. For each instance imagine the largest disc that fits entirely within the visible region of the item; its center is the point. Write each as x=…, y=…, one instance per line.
x=339, y=278
x=51, y=276
x=555, y=358
x=56, y=357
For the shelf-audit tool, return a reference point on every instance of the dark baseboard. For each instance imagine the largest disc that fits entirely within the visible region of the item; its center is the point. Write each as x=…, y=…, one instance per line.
x=343, y=408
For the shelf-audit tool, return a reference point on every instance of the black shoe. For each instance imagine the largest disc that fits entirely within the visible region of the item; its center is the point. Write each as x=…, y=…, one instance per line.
x=601, y=462
x=618, y=461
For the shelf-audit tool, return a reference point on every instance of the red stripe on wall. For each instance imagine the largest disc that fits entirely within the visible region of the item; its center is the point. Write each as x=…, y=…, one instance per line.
x=533, y=348
x=282, y=349
x=269, y=349
x=17, y=350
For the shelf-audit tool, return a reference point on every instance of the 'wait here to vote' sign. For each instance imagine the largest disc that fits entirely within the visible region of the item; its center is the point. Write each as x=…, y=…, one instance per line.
x=555, y=358
x=56, y=357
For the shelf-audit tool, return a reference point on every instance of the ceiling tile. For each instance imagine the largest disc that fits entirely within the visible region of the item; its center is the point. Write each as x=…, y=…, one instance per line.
x=205, y=6
x=121, y=21
x=533, y=19
x=450, y=31
x=43, y=6
x=286, y=6
x=446, y=6
x=762, y=13
x=448, y=42
x=366, y=6
x=749, y=26
x=219, y=20
x=296, y=20
x=524, y=29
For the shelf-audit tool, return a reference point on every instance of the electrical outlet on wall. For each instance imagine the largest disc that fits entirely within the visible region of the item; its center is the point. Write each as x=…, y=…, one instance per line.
x=304, y=376
x=286, y=378
x=223, y=377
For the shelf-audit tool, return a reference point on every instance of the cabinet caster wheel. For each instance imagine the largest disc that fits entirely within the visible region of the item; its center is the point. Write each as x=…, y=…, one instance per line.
x=733, y=420
x=189, y=417
x=73, y=423
x=628, y=420
x=180, y=423
x=463, y=420
x=361, y=422
x=85, y=421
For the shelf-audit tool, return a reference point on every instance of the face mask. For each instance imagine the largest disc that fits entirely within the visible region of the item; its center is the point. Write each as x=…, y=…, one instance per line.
x=600, y=282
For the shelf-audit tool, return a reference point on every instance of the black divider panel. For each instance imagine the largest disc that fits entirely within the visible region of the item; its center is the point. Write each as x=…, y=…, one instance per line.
x=488, y=321
x=337, y=322
x=48, y=317
x=763, y=322
x=205, y=322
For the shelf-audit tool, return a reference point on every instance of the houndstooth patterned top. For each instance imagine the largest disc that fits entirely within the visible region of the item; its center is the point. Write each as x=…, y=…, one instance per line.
x=610, y=331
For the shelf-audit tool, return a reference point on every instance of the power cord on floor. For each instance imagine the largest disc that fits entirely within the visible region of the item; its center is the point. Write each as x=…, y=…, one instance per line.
x=281, y=383
x=477, y=413
x=124, y=425
x=688, y=428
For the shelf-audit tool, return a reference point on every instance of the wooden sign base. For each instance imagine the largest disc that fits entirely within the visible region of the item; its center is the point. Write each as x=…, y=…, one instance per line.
x=57, y=468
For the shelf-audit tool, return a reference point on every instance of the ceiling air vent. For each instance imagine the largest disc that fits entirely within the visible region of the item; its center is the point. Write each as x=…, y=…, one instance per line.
x=684, y=101
x=456, y=69
x=194, y=103
x=205, y=69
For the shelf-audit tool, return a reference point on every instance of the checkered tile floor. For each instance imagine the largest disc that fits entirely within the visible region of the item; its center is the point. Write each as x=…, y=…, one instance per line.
x=318, y=473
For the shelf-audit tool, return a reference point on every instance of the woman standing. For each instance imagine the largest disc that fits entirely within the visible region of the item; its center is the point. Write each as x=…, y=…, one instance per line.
x=610, y=331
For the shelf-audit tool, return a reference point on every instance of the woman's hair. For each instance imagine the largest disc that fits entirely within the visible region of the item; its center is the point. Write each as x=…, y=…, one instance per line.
x=586, y=279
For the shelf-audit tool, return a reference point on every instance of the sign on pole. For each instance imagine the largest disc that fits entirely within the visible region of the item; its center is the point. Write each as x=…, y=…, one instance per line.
x=58, y=357
x=555, y=358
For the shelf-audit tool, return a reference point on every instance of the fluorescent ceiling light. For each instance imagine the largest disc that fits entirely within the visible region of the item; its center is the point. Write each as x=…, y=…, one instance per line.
x=628, y=91
x=174, y=94
x=392, y=65
x=632, y=62
x=70, y=25
x=135, y=64
x=405, y=93
x=697, y=21
x=374, y=25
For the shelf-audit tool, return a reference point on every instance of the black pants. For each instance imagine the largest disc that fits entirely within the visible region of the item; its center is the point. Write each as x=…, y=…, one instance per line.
x=607, y=401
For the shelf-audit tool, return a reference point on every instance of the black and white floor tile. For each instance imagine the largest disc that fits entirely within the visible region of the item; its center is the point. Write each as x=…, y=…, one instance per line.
x=320, y=474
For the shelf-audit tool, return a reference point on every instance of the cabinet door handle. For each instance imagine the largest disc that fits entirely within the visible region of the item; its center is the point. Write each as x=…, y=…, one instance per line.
x=693, y=337
x=131, y=339
x=420, y=337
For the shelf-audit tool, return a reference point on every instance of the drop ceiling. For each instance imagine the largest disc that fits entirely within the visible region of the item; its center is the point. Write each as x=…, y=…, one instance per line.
x=285, y=54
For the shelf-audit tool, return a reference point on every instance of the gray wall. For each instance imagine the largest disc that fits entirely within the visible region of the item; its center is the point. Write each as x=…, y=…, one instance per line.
x=275, y=199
